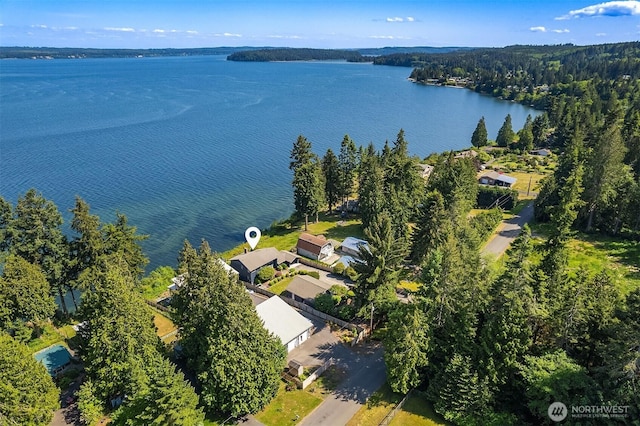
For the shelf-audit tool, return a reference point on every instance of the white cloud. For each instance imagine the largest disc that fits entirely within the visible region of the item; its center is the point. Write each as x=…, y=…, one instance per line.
x=610, y=8
x=121, y=29
x=157, y=30
x=44, y=27
x=399, y=19
x=542, y=29
x=231, y=35
x=192, y=32
x=389, y=37
x=291, y=37
x=601, y=34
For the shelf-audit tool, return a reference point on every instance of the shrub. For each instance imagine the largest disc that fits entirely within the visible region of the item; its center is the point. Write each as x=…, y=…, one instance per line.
x=265, y=274
x=338, y=269
x=351, y=273
x=486, y=222
x=314, y=274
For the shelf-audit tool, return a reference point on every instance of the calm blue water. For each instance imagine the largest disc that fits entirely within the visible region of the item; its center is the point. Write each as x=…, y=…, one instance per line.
x=198, y=147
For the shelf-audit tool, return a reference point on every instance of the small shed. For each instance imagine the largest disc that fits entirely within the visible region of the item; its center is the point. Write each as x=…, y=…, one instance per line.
x=285, y=322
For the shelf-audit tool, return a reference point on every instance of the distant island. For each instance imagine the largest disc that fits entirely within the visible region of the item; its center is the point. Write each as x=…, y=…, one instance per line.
x=254, y=53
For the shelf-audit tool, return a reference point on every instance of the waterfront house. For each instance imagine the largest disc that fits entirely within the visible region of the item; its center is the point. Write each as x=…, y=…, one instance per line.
x=314, y=247
x=248, y=264
x=305, y=288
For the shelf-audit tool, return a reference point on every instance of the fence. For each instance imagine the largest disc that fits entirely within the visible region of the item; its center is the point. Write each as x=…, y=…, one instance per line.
x=306, y=382
x=395, y=410
x=157, y=305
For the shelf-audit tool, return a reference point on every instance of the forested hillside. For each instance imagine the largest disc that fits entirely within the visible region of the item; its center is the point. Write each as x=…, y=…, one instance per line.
x=266, y=55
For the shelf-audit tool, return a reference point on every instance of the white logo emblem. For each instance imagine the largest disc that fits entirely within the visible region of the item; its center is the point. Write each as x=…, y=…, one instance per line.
x=557, y=411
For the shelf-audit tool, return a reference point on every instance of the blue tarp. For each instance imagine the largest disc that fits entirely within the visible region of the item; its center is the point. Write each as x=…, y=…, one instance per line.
x=54, y=358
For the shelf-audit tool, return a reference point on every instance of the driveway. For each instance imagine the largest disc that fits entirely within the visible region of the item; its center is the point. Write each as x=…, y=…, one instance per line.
x=365, y=374
x=507, y=232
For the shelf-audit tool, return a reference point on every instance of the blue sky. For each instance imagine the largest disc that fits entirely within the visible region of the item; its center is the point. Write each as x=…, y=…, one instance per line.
x=314, y=23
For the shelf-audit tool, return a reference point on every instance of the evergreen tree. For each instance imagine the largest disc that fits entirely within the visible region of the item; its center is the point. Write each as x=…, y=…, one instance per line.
x=301, y=153
x=348, y=166
x=525, y=136
x=505, y=134
x=604, y=172
x=480, y=136
x=371, y=195
x=332, y=178
x=163, y=398
x=379, y=267
x=427, y=235
x=122, y=241
x=458, y=393
x=307, y=191
x=405, y=347
x=28, y=396
x=24, y=293
x=456, y=180
x=6, y=216
x=36, y=236
x=539, y=129
x=237, y=361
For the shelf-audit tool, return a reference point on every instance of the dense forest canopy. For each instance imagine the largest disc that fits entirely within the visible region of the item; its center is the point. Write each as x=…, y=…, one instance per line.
x=265, y=55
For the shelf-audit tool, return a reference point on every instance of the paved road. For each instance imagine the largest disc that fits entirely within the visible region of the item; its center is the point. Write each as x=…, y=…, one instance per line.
x=508, y=231
x=366, y=374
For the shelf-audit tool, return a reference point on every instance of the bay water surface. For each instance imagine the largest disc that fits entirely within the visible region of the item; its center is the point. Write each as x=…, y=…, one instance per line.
x=198, y=147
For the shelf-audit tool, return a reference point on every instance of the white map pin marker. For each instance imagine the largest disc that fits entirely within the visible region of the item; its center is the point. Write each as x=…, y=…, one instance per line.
x=252, y=240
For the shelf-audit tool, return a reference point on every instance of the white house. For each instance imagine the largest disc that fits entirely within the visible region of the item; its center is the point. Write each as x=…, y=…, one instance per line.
x=285, y=322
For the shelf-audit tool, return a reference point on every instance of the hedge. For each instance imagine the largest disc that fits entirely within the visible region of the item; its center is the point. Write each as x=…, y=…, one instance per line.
x=487, y=196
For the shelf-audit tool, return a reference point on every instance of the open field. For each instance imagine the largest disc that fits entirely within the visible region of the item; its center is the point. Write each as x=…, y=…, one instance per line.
x=417, y=412
x=621, y=258
x=288, y=407
x=163, y=325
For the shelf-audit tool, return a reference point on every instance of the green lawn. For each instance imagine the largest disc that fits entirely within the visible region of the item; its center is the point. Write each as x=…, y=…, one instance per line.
x=621, y=258
x=280, y=286
x=284, y=236
x=378, y=406
x=288, y=407
x=416, y=411
x=51, y=335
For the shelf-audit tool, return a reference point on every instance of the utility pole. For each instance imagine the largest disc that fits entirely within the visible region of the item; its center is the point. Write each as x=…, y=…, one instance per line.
x=371, y=322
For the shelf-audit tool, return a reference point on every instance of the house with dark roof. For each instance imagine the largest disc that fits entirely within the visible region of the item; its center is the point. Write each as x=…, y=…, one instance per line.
x=497, y=179
x=248, y=264
x=285, y=322
x=314, y=247
x=305, y=288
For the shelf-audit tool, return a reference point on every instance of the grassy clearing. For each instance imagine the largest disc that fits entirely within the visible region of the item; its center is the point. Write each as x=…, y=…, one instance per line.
x=417, y=411
x=288, y=407
x=621, y=258
x=284, y=235
x=524, y=178
x=163, y=325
